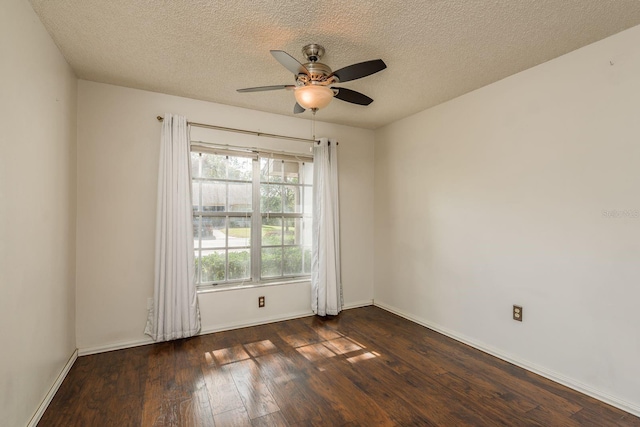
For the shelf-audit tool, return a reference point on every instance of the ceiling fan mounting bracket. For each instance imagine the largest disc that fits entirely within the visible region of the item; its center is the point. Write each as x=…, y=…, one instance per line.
x=313, y=52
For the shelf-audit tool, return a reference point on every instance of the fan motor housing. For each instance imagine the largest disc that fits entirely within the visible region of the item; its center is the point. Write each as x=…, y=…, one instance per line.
x=319, y=73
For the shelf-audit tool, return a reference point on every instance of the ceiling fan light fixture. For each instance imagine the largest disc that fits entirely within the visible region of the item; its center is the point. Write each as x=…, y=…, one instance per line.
x=313, y=80
x=313, y=97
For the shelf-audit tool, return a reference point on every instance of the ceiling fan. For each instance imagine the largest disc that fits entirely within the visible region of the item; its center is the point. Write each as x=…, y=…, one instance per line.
x=313, y=88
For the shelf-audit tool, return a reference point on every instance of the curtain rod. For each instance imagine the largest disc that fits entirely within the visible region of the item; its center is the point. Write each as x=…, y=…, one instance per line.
x=254, y=150
x=248, y=132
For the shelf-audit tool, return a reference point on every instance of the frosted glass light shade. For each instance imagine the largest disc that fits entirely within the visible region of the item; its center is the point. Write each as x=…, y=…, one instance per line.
x=313, y=96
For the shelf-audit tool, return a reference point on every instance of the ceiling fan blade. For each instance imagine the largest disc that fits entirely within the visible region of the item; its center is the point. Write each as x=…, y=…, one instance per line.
x=352, y=96
x=360, y=70
x=297, y=109
x=289, y=62
x=263, y=88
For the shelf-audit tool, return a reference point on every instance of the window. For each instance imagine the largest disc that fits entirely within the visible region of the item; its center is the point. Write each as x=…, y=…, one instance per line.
x=251, y=216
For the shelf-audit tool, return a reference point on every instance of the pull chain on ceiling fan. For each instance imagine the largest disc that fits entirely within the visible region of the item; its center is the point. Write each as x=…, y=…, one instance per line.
x=313, y=88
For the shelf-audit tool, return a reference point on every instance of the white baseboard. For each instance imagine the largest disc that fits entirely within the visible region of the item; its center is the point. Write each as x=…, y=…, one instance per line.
x=274, y=319
x=358, y=304
x=547, y=373
x=206, y=330
x=53, y=390
x=115, y=346
x=212, y=329
x=261, y=321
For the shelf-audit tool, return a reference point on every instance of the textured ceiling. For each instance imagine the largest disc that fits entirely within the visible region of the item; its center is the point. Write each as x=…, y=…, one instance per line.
x=435, y=50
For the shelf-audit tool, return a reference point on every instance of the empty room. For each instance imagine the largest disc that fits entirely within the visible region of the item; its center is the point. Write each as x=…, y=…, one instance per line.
x=279, y=213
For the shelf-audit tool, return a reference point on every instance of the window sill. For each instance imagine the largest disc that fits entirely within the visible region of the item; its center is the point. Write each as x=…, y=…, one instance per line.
x=249, y=285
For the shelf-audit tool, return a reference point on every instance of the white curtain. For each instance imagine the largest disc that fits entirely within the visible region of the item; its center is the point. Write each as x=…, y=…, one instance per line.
x=326, y=285
x=175, y=312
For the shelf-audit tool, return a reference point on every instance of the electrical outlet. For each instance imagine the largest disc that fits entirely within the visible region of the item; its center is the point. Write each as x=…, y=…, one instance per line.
x=517, y=313
x=260, y=302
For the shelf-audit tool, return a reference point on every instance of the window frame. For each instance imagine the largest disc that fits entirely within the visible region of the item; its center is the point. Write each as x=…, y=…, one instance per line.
x=255, y=215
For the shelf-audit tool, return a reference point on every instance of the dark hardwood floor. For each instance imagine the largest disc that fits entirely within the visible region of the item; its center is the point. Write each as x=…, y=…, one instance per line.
x=364, y=367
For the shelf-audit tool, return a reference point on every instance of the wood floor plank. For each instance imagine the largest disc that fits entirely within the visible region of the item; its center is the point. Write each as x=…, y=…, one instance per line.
x=221, y=388
x=166, y=401
x=195, y=410
x=363, y=367
x=255, y=395
x=442, y=374
x=599, y=416
x=261, y=348
x=235, y=418
x=62, y=407
x=345, y=396
x=274, y=419
x=90, y=412
x=230, y=355
x=468, y=362
x=389, y=392
x=493, y=400
x=282, y=375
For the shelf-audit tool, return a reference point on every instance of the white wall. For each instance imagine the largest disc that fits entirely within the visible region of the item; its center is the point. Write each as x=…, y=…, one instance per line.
x=118, y=137
x=499, y=197
x=37, y=212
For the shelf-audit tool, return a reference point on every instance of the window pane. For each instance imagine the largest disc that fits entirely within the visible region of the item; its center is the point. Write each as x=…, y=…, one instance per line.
x=270, y=198
x=307, y=229
x=308, y=200
x=195, y=196
x=213, y=232
x=240, y=168
x=271, y=262
x=292, y=199
x=291, y=231
x=307, y=173
x=306, y=263
x=239, y=264
x=195, y=165
x=213, y=196
x=271, y=231
x=292, y=261
x=213, y=166
x=196, y=259
x=270, y=170
x=292, y=172
x=239, y=232
x=213, y=266
x=239, y=197
x=196, y=231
